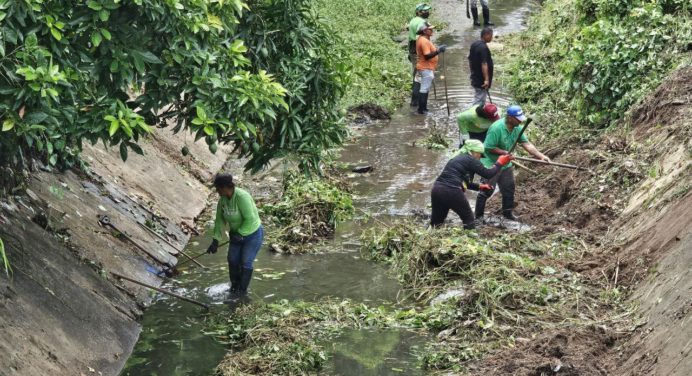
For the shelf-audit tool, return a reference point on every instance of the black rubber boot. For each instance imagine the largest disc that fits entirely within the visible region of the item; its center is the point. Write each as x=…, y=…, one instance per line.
x=415, y=93
x=474, y=14
x=423, y=103
x=507, y=213
x=234, y=273
x=486, y=17
x=245, y=278
x=480, y=206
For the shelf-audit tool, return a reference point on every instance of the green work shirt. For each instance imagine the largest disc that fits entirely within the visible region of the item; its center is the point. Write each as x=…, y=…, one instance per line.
x=469, y=121
x=413, y=26
x=239, y=213
x=499, y=137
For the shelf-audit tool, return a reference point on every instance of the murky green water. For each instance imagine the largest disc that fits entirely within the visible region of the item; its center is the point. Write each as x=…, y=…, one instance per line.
x=172, y=344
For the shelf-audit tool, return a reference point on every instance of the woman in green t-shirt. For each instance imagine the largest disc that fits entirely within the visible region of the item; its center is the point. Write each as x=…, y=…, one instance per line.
x=236, y=209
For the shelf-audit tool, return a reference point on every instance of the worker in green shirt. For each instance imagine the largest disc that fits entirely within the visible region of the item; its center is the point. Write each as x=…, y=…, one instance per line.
x=498, y=141
x=237, y=211
x=474, y=122
x=422, y=13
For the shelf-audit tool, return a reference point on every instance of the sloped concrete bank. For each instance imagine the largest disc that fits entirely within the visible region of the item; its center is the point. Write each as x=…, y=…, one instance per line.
x=62, y=311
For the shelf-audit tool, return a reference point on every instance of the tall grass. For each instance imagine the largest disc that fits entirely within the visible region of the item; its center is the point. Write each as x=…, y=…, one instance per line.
x=381, y=69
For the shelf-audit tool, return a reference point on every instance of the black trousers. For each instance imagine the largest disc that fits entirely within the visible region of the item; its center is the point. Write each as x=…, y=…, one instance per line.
x=445, y=198
x=507, y=186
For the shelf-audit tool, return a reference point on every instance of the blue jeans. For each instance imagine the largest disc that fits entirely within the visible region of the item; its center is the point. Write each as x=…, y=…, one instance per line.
x=242, y=253
x=426, y=80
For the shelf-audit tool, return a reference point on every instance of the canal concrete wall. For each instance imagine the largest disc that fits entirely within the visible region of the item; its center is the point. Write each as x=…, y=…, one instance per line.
x=62, y=312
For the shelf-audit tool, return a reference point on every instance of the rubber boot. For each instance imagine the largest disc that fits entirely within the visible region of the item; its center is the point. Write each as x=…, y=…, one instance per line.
x=486, y=17
x=423, y=103
x=480, y=207
x=474, y=14
x=234, y=273
x=245, y=278
x=507, y=213
x=415, y=93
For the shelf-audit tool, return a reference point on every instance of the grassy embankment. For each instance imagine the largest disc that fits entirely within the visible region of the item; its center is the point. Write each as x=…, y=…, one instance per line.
x=380, y=65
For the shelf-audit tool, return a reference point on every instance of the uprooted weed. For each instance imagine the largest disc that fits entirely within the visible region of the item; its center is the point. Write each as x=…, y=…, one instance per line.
x=513, y=285
x=307, y=212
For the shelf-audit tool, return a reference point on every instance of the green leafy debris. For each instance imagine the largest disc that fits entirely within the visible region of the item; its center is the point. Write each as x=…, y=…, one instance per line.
x=308, y=211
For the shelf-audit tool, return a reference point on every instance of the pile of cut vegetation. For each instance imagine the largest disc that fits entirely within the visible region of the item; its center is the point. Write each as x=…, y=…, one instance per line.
x=288, y=337
x=507, y=288
x=307, y=212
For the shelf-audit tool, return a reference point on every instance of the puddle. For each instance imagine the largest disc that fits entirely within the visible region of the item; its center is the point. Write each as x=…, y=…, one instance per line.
x=375, y=352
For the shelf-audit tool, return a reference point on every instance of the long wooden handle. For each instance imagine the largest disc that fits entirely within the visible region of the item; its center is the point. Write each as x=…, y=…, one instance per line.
x=205, y=306
x=551, y=163
x=182, y=252
x=521, y=132
x=195, y=257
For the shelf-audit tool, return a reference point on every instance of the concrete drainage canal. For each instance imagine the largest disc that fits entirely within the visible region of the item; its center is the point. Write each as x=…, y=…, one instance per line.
x=173, y=341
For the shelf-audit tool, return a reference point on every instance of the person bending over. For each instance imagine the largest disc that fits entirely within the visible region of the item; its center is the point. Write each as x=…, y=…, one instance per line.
x=448, y=190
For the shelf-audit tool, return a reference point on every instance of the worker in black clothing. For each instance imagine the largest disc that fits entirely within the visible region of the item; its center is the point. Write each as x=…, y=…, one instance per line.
x=481, y=67
x=448, y=190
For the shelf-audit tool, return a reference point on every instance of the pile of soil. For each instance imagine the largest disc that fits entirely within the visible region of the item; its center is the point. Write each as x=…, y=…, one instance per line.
x=368, y=112
x=561, y=352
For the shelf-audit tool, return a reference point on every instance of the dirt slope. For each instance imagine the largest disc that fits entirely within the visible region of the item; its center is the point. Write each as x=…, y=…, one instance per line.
x=636, y=214
x=63, y=314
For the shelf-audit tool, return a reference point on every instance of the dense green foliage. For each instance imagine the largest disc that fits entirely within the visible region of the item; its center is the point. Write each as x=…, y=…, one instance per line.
x=380, y=65
x=287, y=39
x=590, y=60
x=106, y=70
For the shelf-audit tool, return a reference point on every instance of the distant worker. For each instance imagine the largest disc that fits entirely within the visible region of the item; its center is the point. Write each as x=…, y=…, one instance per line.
x=426, y=62
x=474, y=122
x=448, y=190
x=498, y=141
x=422, y=13
x=486, y=12
x=236, y=209
x=481, y=66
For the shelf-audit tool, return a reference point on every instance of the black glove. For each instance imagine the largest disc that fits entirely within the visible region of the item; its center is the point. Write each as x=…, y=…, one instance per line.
x=236, y=239
x=442, y=48
x=213, y=247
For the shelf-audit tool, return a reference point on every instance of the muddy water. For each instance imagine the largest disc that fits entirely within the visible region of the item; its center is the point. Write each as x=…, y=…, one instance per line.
x=172, y=344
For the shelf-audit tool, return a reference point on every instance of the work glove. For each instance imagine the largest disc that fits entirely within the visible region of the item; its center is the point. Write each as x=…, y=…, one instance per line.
x=442, y=48
x=213, y=247
x=236, y=239
x=486, y=187
x=504, y=159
